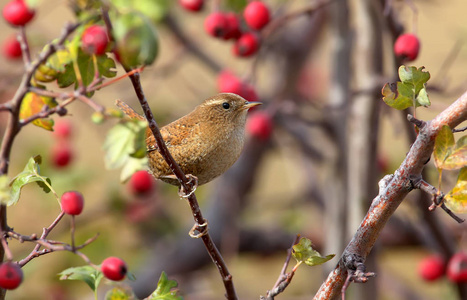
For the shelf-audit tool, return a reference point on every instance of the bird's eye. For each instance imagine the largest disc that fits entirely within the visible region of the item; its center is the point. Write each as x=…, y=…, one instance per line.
x=226, y=105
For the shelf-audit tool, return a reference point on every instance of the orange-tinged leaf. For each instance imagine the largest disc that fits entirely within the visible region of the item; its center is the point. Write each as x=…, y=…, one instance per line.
x=444, y=145
x=456, y=199
x=33, y=104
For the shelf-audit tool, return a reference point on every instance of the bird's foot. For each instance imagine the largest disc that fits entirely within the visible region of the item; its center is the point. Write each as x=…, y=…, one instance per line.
x=198, y=230
x=192, y=183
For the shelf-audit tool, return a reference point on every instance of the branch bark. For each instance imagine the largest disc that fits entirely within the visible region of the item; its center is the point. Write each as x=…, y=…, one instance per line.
x=392, y=192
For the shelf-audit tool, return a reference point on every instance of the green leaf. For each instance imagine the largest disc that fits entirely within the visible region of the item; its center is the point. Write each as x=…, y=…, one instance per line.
x=131, y=166
x=137, y=39
x=235, y=5
x=119, y=293
x=395, y=99
x=33, y=104
x=62, y=62
x=416, y=78
x=304, y=252
x=31, y=173
x=125, y=147
x=456, y=199
x=410, y=91
x=88, y=274
x=164, y=289
x=122, y=142
x=422, y=98
x=155, y=10
x=449, y=155
x=5, y=192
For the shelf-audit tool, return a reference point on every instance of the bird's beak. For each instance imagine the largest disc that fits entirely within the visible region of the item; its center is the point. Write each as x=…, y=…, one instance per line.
x=249, y=105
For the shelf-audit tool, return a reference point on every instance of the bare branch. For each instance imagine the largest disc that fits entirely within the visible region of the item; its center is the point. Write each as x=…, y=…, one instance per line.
x=393, y=190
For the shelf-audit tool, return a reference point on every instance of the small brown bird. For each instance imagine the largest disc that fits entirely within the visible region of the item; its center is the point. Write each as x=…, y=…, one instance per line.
x=205, y=142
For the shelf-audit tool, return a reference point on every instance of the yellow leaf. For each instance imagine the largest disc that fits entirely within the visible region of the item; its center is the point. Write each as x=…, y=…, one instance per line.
x=456, y=199
x=33, y=104
x=444, y=145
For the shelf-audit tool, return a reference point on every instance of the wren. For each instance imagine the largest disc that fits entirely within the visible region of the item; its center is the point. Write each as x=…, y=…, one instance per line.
x=205, y=143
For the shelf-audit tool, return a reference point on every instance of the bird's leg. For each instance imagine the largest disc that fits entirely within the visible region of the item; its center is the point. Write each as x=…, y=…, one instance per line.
x=192, y=183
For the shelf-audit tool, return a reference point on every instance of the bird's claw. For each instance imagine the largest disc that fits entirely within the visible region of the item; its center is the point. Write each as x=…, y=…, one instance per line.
x=193, y=183
x=199, y=230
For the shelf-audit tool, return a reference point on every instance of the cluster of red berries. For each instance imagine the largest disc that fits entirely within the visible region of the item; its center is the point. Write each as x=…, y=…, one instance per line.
x=62, y=151
x=227, y=25
x=16, y=13
x=433, y=267
x=407, y=46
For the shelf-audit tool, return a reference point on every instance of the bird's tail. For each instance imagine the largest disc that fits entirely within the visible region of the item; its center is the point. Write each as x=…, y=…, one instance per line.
x=130, y=112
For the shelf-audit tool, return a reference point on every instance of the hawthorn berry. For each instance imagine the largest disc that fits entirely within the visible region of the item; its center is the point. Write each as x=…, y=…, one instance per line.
x=233, y=26
x=72, y=203
x=256, y=15
x=62, y=155
x=227, y=82
x=431, y=268
x=457, y=268
x=63, y=129
x=260, y=125
x=12, y=48
x=407, y=46
x=95, y=40
x=192, y=5
x=246, y=45
x=17, y=13
x=114, y=268
x=141, y=183
x=11, y=275
x=216, y=24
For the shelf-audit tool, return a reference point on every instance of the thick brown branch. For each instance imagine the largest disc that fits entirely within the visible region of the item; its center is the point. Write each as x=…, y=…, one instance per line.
x=393, y=190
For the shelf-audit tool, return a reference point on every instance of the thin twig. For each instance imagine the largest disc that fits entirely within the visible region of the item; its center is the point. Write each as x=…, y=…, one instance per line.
x=186, y=182
x=438, y=198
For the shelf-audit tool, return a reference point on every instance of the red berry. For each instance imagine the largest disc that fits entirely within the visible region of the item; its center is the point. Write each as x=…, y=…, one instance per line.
x=114, y=268
x=72, y=203
x=246, y=45
x=141, y=182
x=12, y=48
x=17, y=13
x=407, y=46
x=62, y=129
x=233, y=26
x=260, y=125
x=457, y=268
x=95, y=40
x=193, y=5
x=62, y=155
x=431, y=267
x=227, y=82
x=216, y=24
x=11, y=275
x=256, y=15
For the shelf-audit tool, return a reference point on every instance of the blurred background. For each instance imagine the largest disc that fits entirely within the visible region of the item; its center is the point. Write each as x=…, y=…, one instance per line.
x=315, y=173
